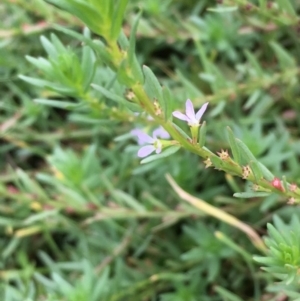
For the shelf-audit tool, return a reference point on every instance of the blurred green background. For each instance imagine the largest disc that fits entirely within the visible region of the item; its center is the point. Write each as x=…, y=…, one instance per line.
x=80, y=217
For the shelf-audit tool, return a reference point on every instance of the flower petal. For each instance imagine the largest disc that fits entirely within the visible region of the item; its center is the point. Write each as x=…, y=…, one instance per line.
x=135, y=132
x=189, y=109
x=161, y=132
x=143, y=138
x=145, y=151
x=180, y=116
x=201, y=111
x=158, y=150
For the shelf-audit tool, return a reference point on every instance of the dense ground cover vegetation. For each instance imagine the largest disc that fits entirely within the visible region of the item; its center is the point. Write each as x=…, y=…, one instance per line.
x=207, y=210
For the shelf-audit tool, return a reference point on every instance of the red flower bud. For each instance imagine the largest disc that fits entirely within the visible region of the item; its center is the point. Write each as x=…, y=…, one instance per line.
x=276, y=183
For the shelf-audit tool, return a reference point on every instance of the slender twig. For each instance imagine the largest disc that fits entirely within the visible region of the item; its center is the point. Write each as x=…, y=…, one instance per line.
x=219, y=214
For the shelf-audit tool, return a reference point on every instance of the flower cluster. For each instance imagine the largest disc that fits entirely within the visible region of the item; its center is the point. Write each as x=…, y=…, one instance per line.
x=152, y=143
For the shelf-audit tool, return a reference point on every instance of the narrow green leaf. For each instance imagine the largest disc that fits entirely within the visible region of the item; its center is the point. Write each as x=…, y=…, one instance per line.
x=251, y=194
x=255, y=167
x=285, y=183
x=10, y=248
x=168, y=103
x=165, y=153
x=87, y=33
x=35, y=81
x=220, y=82
x=202, y=134
x=255, y=64
x=132, y=41
x=47, y=84
x=152, y=85
x=96, y=45
x=264, y=260
x=57, y=103
x=48, y=46
x=90, y=120
x=287, y=6
x=127, y=199
x=41, y=64
x=207, y=77
x=84, y=11
x=253, y=98
x=123, y=137
x=266, y=172
x=234, y=147
x=103, y=279
x=248, y=158
x=117, y=19
x=103, y=7
x=233, y=245
x=275, y=234
x=284, y=57
x=32, y=219
x=110, y=95
x=6, y=221
x=222, y=9
x=218, y=109
x=58, y=44
x=133, y=63
x=181, y=131
x=88, y=66
x=30, y=185
x=226, y=294
x=144, y=168
x=189, y=87
x=122, y=75
x=203, y=57
x=216, y=161
x=123, y=41
x=130, y=75
x=116, y=98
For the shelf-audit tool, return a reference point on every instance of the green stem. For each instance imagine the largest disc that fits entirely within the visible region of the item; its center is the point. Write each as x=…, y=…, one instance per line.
x=228, y=166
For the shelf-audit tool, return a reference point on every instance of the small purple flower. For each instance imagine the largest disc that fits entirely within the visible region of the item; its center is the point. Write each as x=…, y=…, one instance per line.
x=190, y=117
x=154, y=144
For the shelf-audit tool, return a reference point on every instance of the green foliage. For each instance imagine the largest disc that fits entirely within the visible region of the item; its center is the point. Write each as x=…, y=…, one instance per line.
x=283, y=259
x=65, y=73
x=82, y=217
